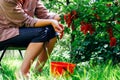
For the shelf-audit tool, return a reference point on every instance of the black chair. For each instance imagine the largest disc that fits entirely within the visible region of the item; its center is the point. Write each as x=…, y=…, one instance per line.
x=11, y=48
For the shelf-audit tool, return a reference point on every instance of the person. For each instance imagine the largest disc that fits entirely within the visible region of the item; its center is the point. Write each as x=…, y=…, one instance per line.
x=28, y=23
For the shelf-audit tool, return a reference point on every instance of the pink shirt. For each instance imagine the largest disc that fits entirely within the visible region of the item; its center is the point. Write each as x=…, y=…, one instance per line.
x=14, y=14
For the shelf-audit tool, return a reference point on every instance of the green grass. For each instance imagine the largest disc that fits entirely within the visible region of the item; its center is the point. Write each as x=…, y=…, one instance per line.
x=83, y=71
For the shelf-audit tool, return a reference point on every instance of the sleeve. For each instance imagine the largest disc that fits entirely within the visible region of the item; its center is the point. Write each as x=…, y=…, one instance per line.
x=16, y=14
x=42, y=12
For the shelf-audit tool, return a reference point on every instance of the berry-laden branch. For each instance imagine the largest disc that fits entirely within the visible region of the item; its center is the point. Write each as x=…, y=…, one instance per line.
x=98, y=12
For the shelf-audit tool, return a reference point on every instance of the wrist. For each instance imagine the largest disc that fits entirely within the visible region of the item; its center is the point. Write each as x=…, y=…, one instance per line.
x=57, y=17
x=52, y=21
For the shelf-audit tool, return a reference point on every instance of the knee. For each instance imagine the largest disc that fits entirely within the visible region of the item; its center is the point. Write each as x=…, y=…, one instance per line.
x=53, y=40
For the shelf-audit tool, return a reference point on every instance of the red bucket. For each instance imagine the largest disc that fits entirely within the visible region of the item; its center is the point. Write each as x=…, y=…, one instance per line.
x=62, y=68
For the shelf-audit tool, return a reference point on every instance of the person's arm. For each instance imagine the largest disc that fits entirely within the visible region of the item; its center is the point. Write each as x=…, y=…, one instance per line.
x=54, y=23
x=46, y=18
x=42, y=12
x=16, y=15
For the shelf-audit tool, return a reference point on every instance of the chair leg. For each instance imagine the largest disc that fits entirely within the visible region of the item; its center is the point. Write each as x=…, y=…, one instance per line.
x=2, y=55
x=20, y=53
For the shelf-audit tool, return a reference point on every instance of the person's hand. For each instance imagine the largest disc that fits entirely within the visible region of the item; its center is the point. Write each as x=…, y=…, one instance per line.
x=62, y=33
x=57, y=17
x=56, y=26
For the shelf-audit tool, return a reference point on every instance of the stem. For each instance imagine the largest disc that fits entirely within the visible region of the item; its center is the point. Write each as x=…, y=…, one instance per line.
x=67, y=2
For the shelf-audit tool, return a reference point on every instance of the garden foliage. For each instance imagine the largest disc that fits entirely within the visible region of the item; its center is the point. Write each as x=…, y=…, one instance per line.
x=94, y=28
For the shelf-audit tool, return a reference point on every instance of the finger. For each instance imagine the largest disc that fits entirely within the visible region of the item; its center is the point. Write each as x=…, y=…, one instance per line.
x=57, y=30
x=61, y=35
x=61, y=26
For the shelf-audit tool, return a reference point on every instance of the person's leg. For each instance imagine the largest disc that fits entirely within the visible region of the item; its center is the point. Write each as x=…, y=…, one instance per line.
x=31, y=53
x=44, y=55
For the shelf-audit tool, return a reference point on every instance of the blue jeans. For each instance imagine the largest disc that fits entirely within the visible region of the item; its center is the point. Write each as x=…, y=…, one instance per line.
x=28, y=35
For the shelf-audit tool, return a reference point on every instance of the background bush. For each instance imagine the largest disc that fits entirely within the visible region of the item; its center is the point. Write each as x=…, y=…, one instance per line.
x=86, y=45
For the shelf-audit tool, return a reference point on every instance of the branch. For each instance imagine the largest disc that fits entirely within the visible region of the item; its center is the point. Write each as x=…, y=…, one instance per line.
x=67, y=2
